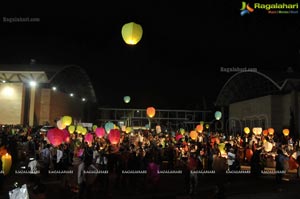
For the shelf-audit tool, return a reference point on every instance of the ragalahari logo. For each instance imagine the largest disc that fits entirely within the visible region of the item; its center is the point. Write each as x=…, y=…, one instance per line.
x=246, y=9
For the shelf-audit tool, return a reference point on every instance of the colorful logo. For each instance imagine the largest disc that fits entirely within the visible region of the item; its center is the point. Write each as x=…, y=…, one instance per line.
x=246, y=9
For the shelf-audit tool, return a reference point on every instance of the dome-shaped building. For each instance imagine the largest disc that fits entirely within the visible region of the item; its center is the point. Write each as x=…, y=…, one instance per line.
x=255, y=99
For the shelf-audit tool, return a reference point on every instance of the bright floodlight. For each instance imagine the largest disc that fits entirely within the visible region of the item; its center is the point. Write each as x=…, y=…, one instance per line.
x=71, y=94
x=83, y=99
x=3, y=81
x=54, y=88
x=32, y=83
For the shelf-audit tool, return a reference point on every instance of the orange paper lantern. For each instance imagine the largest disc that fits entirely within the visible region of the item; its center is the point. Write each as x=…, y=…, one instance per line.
x=193, y=135
x=151, y=112
x=286, y=132
x=265, y=132
x=271, y=131
x=199, y=128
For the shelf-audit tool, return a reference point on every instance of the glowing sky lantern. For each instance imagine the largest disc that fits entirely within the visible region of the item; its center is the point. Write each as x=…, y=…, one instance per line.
x=100, y=132
x=94, y=127
x=109, y=126
x=286, y=132
x=271, y=131
x=128, y=129
x=114, y=136
x=132, y=33
x=151, y=112
x=202, y=122
x=126, y=99
x=6, y=163
x=182, y=131
x=178, y=137
x=79, y=128
x=60, y=125
x=71, y=129
x=199, y=128
x=265, y=132
x=55, y=136
x=84, y=131
x=207, y=126
x=67, y=120
x=257, y=130
x=218, y=115
x=246, y=130
x=88, y=138
x=193, y=135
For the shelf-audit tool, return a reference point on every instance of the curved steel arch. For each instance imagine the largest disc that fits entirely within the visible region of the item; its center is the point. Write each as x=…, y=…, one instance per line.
x=279, y=87
x=83, y=73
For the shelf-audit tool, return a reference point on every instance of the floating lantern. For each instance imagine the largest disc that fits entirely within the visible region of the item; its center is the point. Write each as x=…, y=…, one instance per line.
x=55, y=136
x=71, y=129
x=128, y=129
x=60, y=125
x=67, y=120
x=84, y=131
x=126, y=99
x=286, y=132
x=218, y=115
x=109, y=126
x=202, y=122
x=199, y=128
x=94, y=128
x=66, y=135
x=193, y=135
x=114, y=136
x=6, y=163
x=88, y=138
x=151, y=112
x=100, y=132
x=182, y=131
x=265, y=132
x=271, y=131
x=132, y=33
x=247, y=130
x=207, y=126
x=268, y=146
x=178, y=137
x=257, y=130
x=79, y=128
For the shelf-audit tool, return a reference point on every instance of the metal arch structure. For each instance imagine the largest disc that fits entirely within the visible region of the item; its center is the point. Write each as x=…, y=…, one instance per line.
x=74, y=79
x=245, y=85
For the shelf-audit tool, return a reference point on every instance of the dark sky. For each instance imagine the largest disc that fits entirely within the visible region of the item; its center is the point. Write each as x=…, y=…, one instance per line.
x=176, y=64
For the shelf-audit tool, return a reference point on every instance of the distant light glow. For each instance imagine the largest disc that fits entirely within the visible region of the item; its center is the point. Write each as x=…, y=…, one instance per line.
x=32, y=83
x=83, y=99
x=71, y=94
x=54, y=88
x=8, y=91
x=3, y=81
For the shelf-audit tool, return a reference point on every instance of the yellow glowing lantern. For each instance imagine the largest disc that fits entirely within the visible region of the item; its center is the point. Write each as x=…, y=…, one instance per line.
x=257, y=130
x=67, y=120
x=286, y=132
x=207, y=126
x=79, y=128
x=84, y=131
x=6, y=163
x=95, y=127
x=132, y=33
x=193, y=135
x=271, y=131
x=247, y=130
x=128, y=129
x=71, y=129
x=151, y=112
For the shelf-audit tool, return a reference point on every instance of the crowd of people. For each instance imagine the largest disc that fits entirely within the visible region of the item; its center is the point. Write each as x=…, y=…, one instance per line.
x=145, y=153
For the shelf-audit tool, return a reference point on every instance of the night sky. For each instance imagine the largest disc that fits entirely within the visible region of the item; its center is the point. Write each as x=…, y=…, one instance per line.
x=176, y=64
